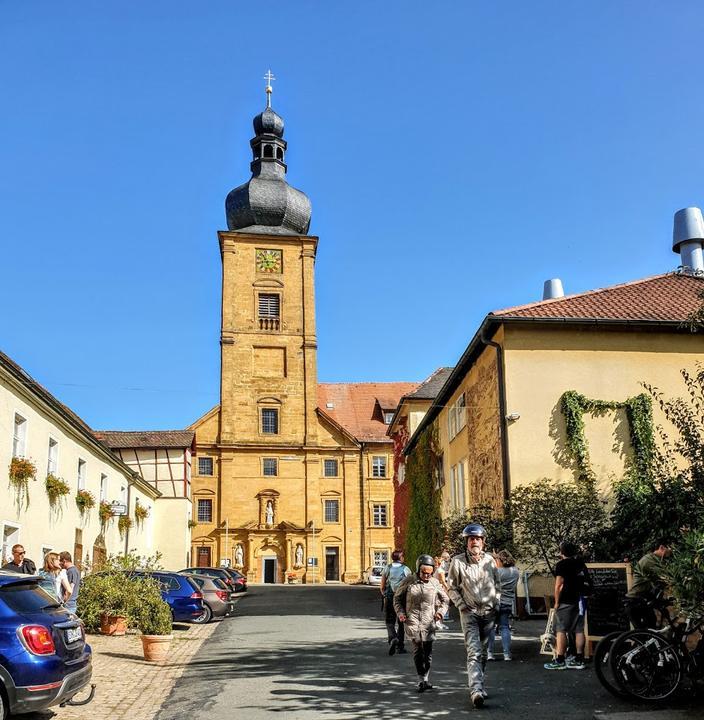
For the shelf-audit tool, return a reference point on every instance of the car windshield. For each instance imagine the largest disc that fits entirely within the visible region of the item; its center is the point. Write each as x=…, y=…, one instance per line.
x=27, y=598
x=377, y=571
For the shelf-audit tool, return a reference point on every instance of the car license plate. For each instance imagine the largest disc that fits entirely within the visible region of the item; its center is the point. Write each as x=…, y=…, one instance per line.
x=73, y=634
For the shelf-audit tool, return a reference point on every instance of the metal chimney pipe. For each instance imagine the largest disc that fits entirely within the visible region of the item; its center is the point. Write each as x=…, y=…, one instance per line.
x=688, y=238
x=553, y=289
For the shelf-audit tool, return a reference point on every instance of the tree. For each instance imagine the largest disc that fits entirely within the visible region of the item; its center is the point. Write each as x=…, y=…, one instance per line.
x=546, y=512
x=496, y=523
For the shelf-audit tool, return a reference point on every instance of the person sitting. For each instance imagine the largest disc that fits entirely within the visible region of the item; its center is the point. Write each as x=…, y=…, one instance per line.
x=648, y=583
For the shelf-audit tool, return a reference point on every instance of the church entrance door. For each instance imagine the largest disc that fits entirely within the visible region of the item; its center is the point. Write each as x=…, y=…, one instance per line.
x=203, y=557
x=332, y=563
x=269, y=570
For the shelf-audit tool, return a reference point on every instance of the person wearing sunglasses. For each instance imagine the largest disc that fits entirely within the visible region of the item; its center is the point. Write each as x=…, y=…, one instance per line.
x=20, y=563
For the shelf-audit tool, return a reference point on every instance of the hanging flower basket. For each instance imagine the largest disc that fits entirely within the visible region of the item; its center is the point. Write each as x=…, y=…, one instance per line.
x=124, y=524
x=56, y=489
x=192, y=524
x=140, y=513
x=85, y=500
x=21, y=472
x=105, y=514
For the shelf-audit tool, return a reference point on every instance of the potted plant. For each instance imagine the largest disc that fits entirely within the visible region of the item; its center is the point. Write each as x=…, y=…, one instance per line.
x=56, y=489
x=292, y=578
x=85, y=500
x=154, y=620
x=141, y=513
x=108, y=602
x=21, y=472
x=192, y=524
x=105, y=515
x=124, y=524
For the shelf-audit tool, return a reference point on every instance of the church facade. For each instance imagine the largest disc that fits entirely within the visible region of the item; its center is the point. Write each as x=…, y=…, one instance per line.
x=292, y=478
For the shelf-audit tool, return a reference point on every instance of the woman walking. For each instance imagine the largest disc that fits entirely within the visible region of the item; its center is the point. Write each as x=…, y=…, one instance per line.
x=420, y=602
x=508, y=576
x=53, y=579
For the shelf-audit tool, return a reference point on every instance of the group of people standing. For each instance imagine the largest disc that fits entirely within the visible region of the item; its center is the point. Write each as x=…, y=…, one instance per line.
x=481, y=586
x=59, y=576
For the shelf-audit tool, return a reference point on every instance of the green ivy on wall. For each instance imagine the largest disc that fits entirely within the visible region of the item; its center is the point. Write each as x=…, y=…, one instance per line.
x=639, y=412
x=424, y=533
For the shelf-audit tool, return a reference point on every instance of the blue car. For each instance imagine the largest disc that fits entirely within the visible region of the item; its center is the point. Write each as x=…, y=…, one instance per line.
x=180, y=592
x=44, y=658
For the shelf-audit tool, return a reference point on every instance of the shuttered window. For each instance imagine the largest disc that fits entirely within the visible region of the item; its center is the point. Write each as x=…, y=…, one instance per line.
x=269, y=305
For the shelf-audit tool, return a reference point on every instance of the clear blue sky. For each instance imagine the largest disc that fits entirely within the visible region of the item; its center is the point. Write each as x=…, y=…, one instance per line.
x=456, y=155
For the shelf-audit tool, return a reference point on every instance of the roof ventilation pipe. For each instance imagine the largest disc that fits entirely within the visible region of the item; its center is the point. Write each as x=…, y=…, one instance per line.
x=688, y=238
x=553, y=289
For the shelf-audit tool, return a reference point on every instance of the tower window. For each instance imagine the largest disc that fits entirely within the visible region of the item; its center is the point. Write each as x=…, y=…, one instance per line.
x=279, y=154
x=270, y=421
x=268, y=151
x=269, y=311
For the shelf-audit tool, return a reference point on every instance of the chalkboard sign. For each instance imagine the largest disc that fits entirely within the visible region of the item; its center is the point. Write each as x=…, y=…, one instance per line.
x=605, y=612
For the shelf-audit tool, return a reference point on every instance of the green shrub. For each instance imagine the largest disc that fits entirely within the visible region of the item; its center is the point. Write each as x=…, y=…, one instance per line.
x=153, y=614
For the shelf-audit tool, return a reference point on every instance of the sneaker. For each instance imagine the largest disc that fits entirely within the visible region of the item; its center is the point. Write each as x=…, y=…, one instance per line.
x=477, y=699
x=574, y=664
x=401, y=650
x=490, y=657
x=507, y=658
x=554, y=665
x=392, y=646
x=421, y=686
x=428, y=686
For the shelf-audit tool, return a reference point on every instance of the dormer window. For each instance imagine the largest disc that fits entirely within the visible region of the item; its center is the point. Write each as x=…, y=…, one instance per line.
x=388, y=417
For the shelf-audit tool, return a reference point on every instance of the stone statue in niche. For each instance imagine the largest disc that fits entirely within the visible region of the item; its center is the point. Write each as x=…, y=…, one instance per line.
x=269, y=512
x=239, y=556
x=299, y=555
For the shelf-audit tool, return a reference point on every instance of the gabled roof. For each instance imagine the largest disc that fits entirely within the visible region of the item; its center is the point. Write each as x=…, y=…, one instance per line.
x=662, y=298
x=116, y=439
x=353, y=406
x=429, y=388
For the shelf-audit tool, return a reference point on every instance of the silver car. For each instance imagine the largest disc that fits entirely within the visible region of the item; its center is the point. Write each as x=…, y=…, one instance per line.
x=216, y=598
x=372, y=575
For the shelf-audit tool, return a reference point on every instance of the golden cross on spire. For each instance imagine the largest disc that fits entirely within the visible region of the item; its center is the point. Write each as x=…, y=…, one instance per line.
x=269, y=77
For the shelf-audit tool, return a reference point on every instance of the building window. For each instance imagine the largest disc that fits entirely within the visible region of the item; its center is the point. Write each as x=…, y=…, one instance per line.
x=103, y=488
x=52, y=465
x=332, y=511
x=401, y=473
x=269, y=311
x=380, y=515
x=379, y=466
x=388, y=417
x=439, y=473
x=205, y=466
x=381, y=558
x=457, y=486
x=123, y=496
x=330, y=468
x=205, y=511
x=19, y=437
x=270, y=421
x=81, y=474
x=270, y=467
x=456, y=417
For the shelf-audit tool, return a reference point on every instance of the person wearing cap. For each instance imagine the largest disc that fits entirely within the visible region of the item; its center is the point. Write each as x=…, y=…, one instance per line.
x=420, y=601
x=475, y=589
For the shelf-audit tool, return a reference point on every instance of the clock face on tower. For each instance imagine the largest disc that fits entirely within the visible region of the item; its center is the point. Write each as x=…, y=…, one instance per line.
x=268, y=261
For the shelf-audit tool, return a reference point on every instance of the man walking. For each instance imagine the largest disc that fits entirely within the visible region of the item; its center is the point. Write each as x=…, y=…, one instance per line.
x=648, y=581
x=475, y=589
x=74, y=579
x=20, y=563
x=391, y=578
x=571, y=578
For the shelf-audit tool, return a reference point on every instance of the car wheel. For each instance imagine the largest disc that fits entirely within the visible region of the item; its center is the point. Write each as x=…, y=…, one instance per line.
x=206, y=617
x=3, y=706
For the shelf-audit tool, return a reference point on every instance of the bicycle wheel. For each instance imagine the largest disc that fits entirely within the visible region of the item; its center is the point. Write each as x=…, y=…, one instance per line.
x=645, y=665
x=600, y=659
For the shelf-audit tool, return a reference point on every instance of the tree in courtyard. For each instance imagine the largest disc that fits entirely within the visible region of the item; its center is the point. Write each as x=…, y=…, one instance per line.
x=497, y=524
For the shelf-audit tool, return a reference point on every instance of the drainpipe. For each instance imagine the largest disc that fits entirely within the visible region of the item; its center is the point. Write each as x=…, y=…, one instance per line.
x=127, y=530
x=363, y=503
x=501, y=376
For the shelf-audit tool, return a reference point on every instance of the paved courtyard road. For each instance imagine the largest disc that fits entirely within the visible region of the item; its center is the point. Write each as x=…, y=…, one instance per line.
x=310, y=652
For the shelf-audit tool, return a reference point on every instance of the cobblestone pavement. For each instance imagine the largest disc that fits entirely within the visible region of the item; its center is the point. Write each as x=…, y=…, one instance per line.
x=126, y=685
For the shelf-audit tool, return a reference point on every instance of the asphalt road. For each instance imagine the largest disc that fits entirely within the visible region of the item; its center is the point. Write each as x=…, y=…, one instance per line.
x=306, y=652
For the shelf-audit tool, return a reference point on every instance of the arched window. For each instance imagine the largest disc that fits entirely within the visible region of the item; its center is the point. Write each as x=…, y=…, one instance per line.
x=279, y=154
x=268, y=151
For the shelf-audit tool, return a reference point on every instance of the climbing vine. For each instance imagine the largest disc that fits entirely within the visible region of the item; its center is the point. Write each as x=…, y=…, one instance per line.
x=639, y=412
x=424, y=478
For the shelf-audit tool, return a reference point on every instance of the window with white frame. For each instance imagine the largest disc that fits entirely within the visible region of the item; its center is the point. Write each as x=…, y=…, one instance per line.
x=457, y=486
x=52, y=465
x=388, y=417
x=330, y=467
x=123, y=495
x=81, y=474
x=270, y=467
x=103, y=487
x=332, y=511
x=379, y=466
x=270, y=421
x=205, y=466
x=380, y=513
x=19, y=436
x=439, y=473
x=401, y=473
x=456, y=416
x=380, y=558
x=205, y=510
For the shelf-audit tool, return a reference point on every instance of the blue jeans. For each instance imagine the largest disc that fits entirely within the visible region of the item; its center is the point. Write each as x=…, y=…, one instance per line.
x=477, y=630
x=71, y=606
x=504, y=618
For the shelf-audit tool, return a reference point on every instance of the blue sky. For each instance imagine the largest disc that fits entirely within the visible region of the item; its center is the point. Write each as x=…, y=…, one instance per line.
x=456, y=155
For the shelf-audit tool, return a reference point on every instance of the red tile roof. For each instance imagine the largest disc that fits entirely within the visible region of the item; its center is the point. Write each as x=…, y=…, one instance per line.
x=353, y=406
x=664, y=298
x=145, y=438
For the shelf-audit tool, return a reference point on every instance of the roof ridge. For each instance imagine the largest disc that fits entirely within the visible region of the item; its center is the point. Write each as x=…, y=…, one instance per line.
x=143, y=431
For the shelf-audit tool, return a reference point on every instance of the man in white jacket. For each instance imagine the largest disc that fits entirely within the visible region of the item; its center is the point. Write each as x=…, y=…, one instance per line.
x=475, y=589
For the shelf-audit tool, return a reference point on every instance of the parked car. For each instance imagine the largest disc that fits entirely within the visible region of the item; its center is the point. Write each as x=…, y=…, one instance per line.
x=217, y=600
x=181, y=593
x=44, y=658
x=372, y=575
x=236, y=580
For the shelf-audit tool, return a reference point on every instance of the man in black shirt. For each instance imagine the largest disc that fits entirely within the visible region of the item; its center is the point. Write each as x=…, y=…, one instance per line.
x=571, y=577
x=19, y=563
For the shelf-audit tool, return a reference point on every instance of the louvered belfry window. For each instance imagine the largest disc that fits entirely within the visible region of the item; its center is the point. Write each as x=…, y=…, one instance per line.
x=269, y=305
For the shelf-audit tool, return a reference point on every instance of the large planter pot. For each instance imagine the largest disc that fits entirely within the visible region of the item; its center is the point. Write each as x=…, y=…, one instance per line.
x=156, y=647
x=113, y=624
